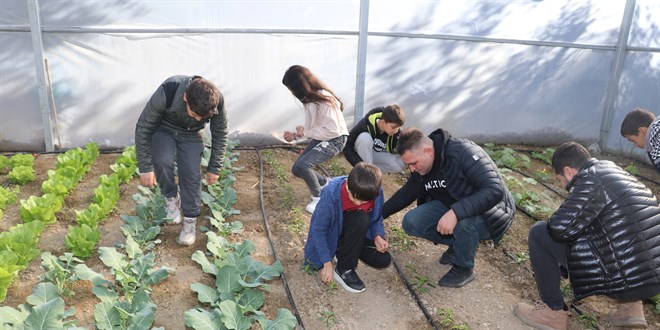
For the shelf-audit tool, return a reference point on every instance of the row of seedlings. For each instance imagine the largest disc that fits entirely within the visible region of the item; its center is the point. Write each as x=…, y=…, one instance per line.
x=20, y=170
x=125, y=301
x=236, y=299
x=18, y=245
x=81, y=239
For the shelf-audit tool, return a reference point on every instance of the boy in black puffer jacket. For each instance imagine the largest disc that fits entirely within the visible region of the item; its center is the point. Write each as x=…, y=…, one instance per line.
x=606, y=233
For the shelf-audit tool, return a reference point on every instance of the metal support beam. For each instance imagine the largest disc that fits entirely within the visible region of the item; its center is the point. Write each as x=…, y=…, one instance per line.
x=42, y=82
x=361, y=60
x=615, y=74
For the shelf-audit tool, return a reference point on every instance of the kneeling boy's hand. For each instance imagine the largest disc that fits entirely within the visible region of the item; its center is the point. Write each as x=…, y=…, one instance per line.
x=326, y=272
x=381, y=244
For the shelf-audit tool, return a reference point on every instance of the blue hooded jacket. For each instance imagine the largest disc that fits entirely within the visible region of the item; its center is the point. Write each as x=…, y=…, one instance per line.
x=327, y=222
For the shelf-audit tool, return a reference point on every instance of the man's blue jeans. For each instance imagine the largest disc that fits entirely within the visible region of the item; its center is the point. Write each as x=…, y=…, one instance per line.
x=422, y=222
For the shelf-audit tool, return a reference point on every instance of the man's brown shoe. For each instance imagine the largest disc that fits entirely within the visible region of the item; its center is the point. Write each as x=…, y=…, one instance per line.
x=540, y=316
x=630, y=314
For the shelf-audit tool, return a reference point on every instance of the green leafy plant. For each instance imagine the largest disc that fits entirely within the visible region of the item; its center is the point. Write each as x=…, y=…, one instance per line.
x=40, y=208
x=541, y=175
x=308, y=268
x=7, y=197
x=81, y=240
x=296, y=223
x=4, y=164
x=566, y=289
x=632, y=169
x=44, y=309
x=656, y=300
x=287, y=197
x=448, y=319
x=21, y=175
x=421, y=283
x=18, y=246
x=236, y=300
x=508, y=157
x=525, y=198
x=545, y=155
x=328, y=318
x=400, y=240
x=588, y=320
x=21, y=160
x=521, y=257
x=60, y=271
x=332, y=286
x=336, y=169
x=126, y=301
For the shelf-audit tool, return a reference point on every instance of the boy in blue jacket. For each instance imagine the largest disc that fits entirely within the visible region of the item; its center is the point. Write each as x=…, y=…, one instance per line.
x=348, y=224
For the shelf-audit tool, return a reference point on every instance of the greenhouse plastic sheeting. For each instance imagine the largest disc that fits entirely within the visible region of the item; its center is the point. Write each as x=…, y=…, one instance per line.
x=534, y=72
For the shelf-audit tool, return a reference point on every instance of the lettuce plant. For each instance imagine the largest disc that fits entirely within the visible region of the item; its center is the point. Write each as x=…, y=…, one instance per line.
x=21, y=160
x=41, y=208
x=81, y=240
x=21, y=175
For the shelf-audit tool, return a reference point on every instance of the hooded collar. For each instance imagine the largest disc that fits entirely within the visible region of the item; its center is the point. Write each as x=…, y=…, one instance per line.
x=440, y=138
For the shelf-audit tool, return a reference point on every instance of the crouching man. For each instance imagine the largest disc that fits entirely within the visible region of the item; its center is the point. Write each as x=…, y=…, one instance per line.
x=606, y=233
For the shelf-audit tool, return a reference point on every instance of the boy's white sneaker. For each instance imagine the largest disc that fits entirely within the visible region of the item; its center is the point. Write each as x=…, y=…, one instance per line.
x=172, y=208
x=188, y=231
x=312, y=205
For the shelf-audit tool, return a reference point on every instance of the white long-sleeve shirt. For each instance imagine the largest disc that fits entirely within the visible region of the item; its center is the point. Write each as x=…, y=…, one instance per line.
x=324, y=120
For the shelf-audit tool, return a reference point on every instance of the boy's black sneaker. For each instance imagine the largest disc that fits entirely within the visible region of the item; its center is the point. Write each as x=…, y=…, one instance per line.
x=457, y=277
x=448, y=257
x=349, y=279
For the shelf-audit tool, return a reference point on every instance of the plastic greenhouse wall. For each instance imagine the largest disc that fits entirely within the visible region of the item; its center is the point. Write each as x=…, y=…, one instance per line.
x=532, y=72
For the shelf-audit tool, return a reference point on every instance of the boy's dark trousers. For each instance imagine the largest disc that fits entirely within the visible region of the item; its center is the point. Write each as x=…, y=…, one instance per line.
x=546, y=255
x=168, y=147
x=353, y=244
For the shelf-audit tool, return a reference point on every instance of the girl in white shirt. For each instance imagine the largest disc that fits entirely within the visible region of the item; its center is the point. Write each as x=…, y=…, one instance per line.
x=324, y=125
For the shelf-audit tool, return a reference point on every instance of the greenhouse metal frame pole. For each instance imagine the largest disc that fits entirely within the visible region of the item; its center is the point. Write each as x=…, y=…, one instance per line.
x=361, y=60
x=39, y=62
x=615, y=74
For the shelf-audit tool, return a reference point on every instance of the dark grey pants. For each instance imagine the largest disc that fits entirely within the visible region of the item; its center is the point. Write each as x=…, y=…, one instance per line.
x=316, y=153
x=168, y=148
x=546, y=256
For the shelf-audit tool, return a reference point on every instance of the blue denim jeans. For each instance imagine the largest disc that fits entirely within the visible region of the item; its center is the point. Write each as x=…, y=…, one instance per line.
x=422, y=222
x=316, y=153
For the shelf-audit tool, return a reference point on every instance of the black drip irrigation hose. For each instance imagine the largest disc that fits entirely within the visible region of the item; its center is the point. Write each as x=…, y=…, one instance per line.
x=270, y=240
x=558, y=193
x=412, y=291
x=647, y=179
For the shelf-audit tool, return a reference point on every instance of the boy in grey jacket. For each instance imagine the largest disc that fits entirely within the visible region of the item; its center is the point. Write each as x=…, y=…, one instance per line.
x=170, y=131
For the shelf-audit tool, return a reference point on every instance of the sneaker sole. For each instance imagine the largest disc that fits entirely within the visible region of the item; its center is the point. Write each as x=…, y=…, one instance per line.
x=185, y=243
x=344, y=285
x=631, y=322
x=458, y=285
x=529, y=322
